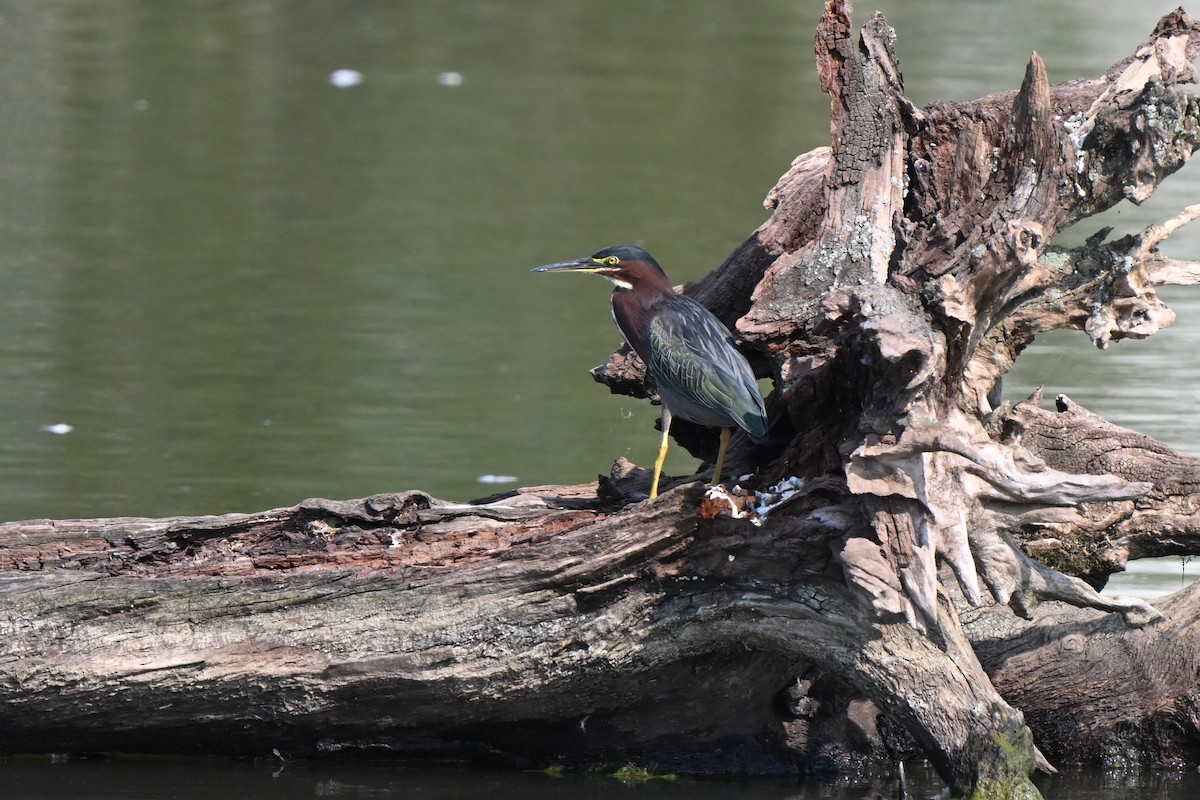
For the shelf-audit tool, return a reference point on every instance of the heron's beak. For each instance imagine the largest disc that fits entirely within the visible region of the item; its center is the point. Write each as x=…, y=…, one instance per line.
x=578, y=265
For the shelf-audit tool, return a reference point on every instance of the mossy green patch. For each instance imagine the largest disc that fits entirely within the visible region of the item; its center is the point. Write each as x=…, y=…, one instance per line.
x=631, y=774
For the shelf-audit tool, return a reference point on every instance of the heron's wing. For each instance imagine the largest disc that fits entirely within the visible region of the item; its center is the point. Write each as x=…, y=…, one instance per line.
x=696, y=365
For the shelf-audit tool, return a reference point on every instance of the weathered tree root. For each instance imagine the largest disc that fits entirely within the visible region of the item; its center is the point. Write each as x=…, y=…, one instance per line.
x=905, y=269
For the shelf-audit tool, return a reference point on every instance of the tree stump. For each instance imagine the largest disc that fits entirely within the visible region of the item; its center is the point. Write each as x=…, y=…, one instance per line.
x=910, y=566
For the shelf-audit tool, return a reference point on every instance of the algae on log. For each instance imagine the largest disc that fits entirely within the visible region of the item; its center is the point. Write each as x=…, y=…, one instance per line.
x=872, y=590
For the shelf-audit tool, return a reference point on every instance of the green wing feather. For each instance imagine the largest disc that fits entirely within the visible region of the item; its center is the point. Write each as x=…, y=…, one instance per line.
x=700, y=373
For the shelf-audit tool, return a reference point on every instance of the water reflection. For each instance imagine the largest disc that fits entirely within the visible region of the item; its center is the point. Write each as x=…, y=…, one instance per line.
x=1074, y=784
x=205, y=779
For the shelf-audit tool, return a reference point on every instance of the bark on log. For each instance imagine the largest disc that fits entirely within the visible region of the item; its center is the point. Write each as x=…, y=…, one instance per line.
x=872, y=588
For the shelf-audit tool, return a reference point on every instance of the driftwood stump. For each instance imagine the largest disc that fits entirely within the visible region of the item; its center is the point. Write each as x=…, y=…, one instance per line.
x=911, y=565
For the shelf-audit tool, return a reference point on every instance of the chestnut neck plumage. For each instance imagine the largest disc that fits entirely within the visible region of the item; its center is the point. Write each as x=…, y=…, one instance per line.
x=640, y=288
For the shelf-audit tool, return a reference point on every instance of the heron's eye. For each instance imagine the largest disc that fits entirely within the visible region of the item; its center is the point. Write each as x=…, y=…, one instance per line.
x=612, y=261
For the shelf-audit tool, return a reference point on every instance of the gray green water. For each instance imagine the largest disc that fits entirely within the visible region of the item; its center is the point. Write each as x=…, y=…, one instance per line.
x=228, y=284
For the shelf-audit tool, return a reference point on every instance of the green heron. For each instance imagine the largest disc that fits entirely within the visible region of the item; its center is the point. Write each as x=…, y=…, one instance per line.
x=700, y=374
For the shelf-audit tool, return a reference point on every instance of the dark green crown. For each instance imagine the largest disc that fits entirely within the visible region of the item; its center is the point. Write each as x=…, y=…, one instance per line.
x=627, y=252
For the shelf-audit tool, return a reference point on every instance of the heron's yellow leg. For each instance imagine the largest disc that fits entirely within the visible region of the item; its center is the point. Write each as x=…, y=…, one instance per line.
x=726, y=435
x=662, y=452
